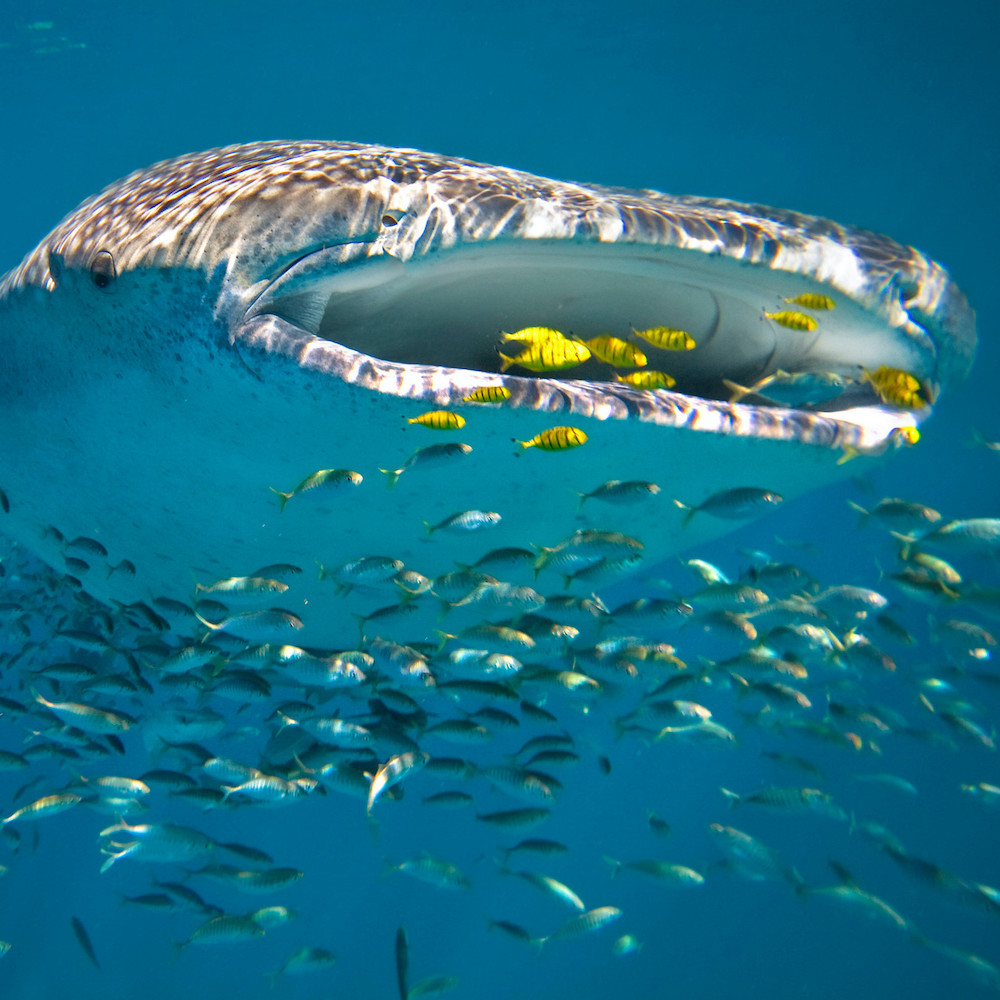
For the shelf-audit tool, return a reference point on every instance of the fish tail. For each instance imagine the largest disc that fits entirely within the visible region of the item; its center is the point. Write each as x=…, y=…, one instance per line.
x=393, y=475
x=362, y=619
x=799, y=884
x=906, y=544
x=445, y=637
x=731, y=797
x=691, y=511
x=109, y=861
x=283, y=498
x=742, y=684
x=583, y=497
x=619, y=726
x=207, y=625
x=302, y=767
x=430, y=528
x=616, y=866
x=505, y=362
x=120, y=827
x=737, y=391
x=864, y=515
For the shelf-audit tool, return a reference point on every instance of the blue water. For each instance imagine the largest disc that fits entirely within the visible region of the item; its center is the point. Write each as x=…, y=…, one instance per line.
x=880, y=114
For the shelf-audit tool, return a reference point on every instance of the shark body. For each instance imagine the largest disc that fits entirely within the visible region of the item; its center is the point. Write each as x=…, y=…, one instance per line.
x=220, y=326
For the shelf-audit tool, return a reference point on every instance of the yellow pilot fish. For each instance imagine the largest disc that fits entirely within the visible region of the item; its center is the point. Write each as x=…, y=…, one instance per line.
x=648, y=380
x=556, y=439
x=812, y=300
x=613, y=351
x=488, y=394
x=534, y=335
x=439, y=420
x=666, y=338
x=793, y=320
x=547, y=356
x=896, y=387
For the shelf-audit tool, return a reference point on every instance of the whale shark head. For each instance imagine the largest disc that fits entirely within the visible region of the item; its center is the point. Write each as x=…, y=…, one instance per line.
x=204, y=335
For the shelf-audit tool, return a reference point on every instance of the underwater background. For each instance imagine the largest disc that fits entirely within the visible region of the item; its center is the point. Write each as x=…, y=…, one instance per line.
x=878, y=114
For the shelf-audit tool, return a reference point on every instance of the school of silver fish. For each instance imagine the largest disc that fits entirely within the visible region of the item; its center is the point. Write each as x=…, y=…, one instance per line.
x=160, y=714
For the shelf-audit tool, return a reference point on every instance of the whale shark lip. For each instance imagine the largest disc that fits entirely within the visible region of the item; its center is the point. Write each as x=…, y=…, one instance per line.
x=431, y=328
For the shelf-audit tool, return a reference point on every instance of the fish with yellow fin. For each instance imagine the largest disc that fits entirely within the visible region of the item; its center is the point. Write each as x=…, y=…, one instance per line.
x=667, y=338
x=534, y=335
x=439, y=420
x=548, y=356
x=897, y=387
x=648, y=380
x=556, y=439
x=324, y=479
x=812, y=300
x=898, y=437
x=792, y=320
x=488, y=394
x=617, y=352
x=431, y=456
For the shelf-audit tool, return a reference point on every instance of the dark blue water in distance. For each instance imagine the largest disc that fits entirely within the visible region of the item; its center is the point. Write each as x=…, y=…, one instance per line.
x=881, y=114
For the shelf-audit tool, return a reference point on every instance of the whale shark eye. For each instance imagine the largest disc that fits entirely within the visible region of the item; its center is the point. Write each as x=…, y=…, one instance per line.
x=102, y=270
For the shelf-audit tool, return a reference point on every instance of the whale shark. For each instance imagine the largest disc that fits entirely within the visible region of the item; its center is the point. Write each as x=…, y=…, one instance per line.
x=185, y=349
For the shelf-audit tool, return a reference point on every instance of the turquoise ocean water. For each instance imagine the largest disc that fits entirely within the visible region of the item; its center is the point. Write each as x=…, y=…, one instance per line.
x=880, y=114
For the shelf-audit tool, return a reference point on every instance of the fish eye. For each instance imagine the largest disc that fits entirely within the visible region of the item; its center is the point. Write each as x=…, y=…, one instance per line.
x=102, y=270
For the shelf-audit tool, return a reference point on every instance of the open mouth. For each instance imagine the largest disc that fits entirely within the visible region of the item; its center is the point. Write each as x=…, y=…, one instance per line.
x=761, y=337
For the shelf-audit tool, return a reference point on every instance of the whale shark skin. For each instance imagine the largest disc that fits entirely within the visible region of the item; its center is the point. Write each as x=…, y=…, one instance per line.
x=221, y=325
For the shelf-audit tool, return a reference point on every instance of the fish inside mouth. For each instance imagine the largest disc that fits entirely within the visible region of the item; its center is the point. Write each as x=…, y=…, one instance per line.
x=452, y=308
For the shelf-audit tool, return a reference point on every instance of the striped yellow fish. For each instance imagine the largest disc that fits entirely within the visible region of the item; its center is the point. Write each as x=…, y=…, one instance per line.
x=896, y=387
x=613, y=351
x=792, y=320
x=488, y=394
x=439, y=420
x=556, y=439
x=812, y=300
x=667, y=338
x=548, y=356
x=534, y=335
x=648, y=380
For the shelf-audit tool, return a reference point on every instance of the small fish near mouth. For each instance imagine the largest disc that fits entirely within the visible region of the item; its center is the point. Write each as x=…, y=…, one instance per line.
x=256, y=313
